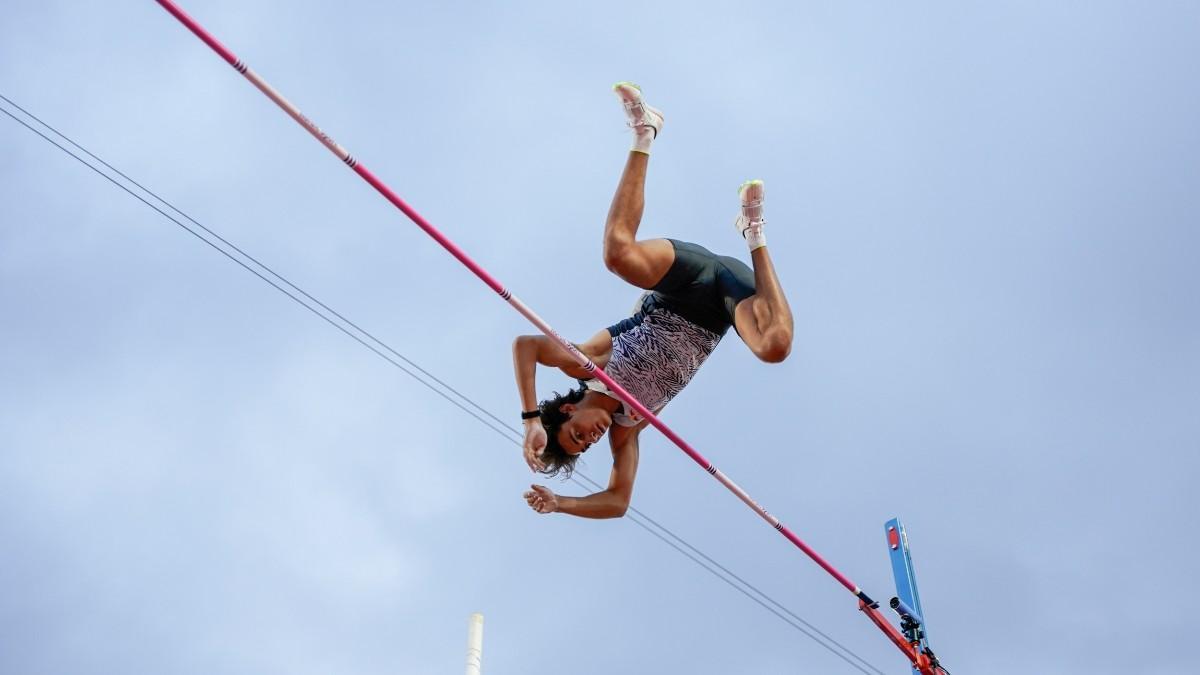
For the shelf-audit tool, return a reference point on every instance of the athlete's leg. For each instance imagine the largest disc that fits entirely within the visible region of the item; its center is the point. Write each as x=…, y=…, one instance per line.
x=641, y=263
x=764, y=320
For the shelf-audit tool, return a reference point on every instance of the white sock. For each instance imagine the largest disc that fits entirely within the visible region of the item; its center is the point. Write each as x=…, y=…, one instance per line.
x=755, y=237
x=642, y=138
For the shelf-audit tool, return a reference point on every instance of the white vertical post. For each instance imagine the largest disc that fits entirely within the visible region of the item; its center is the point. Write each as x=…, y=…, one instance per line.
x=475, y=644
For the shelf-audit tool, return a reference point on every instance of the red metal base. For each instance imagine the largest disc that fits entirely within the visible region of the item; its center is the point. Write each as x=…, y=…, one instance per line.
x=915, y=657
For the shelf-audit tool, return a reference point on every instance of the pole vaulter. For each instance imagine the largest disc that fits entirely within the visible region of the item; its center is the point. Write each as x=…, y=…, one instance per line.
x=919, y=660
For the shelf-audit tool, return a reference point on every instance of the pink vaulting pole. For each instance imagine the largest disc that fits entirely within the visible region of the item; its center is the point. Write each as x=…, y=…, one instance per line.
x=496, y=286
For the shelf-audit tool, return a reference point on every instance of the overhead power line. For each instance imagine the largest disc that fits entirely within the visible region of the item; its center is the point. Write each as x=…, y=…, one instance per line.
x=443, y=389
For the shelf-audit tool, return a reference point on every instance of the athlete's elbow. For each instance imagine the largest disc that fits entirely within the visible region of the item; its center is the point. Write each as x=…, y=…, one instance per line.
x=522, y=343
x=619, y=506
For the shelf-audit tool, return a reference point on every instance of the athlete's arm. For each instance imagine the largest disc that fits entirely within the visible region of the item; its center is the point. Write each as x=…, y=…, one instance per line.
x=531, y=350
x=528, y=352
x=611, y=502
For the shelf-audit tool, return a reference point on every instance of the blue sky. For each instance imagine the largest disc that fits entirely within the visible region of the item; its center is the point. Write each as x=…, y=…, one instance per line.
x=985, y=217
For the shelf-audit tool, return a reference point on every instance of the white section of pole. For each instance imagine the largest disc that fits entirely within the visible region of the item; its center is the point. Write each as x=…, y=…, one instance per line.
x=475, y=644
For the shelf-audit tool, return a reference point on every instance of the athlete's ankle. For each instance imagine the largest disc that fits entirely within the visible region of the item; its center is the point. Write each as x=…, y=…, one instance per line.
x=643, y=137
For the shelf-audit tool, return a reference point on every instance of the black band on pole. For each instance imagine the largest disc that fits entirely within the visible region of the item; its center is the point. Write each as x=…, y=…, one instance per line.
x=867, y=600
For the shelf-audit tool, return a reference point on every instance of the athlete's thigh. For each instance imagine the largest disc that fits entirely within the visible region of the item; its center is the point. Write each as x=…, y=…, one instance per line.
x=745, y=323
x=646, y=262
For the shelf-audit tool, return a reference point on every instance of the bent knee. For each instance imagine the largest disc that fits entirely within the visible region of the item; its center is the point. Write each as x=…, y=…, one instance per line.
x=614, y=261
x=617, y=255
x=775, y=347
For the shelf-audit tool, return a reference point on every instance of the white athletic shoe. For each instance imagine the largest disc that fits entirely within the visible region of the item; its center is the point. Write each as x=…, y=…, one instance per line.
x=750, y=222
x=641, y=116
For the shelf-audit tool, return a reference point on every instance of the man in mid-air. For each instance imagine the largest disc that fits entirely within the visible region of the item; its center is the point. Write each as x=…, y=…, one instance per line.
x=691, y=298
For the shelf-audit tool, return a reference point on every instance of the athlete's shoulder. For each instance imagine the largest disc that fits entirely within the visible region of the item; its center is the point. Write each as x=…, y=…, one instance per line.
x=619, y=436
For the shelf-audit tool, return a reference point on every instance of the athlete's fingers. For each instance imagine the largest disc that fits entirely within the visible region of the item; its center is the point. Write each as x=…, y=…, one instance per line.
x=535, y=497
x=531, y=459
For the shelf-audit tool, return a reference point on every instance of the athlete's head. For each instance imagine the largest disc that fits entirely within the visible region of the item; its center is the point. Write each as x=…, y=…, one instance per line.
x=571, y=427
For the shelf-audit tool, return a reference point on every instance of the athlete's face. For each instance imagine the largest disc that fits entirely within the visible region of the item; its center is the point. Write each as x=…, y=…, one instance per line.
x=584, y=427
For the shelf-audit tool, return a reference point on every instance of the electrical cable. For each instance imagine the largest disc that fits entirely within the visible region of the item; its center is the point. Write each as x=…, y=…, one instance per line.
x=683, y=547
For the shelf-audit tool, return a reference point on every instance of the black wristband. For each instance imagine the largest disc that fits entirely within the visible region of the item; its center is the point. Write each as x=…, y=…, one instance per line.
x=530, y=414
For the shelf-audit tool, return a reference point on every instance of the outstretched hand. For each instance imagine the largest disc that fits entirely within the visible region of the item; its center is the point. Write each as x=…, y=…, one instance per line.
x=535, y=443
x=541, y=499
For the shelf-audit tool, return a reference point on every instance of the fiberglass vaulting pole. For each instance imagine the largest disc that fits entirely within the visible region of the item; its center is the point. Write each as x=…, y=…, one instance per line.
x=865, y=601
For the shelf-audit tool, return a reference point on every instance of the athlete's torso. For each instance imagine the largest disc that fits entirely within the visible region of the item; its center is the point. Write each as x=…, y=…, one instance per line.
x=654, y=355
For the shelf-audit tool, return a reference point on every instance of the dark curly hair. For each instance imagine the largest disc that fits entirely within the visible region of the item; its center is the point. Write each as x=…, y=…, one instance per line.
x=555, y=456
